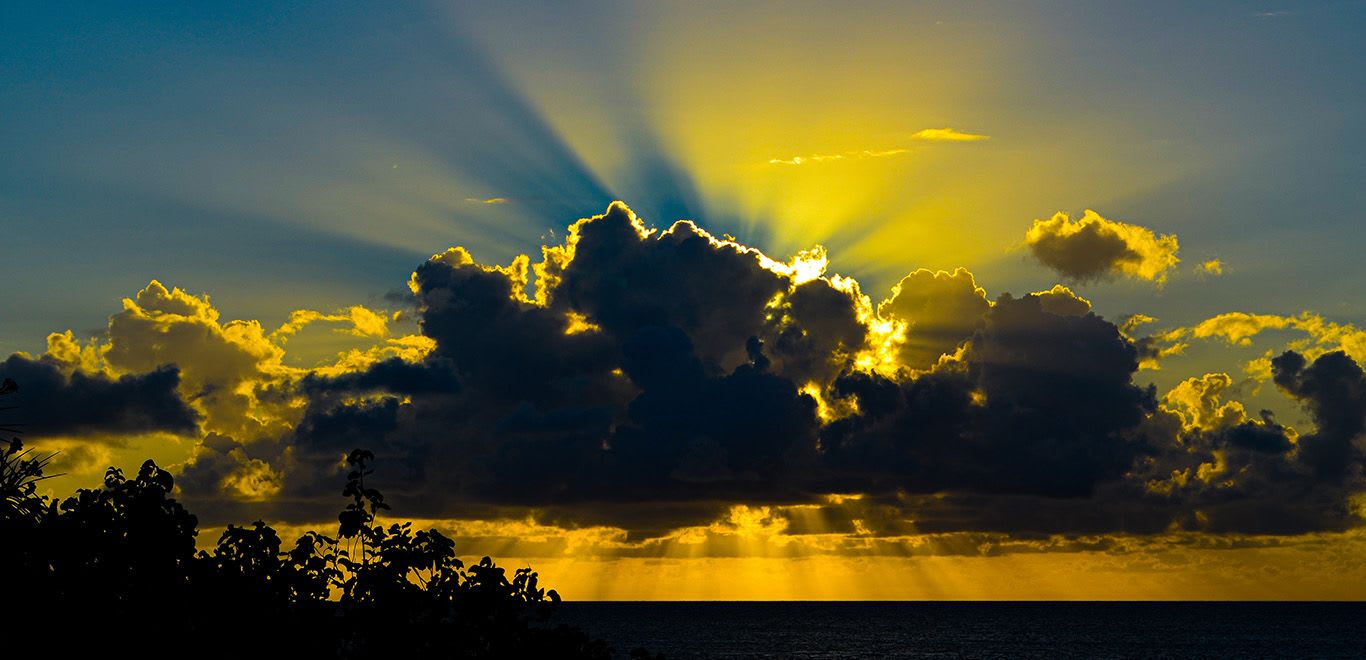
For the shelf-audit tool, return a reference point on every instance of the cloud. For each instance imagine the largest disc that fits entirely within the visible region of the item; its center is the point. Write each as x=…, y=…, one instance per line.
x=55, y=403
x=394, y=375
x=1197, y=401
x=364, y=322
x=923, y=135
x=1231, y=472
x=939, y=310
x=168, y=363
x=1241, y=328
x=1154, y=348
x=219, y=362
x=221, y=466
x=650, y=381
x=1213, y=267
x=1094, y=248
x=862, y=154
x=487, y=200
x=947, y=135
x=1333, y=389
x=1062, y=301
x=1038, y=405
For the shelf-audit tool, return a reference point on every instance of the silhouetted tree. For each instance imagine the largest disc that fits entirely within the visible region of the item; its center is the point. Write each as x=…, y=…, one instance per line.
x=114, y=570
x=20, y=470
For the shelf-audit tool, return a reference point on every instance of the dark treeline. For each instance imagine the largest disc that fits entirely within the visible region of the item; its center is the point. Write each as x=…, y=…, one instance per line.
x=115, y=570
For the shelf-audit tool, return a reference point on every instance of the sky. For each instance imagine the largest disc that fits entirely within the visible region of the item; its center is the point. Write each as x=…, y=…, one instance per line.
x=1017, y=300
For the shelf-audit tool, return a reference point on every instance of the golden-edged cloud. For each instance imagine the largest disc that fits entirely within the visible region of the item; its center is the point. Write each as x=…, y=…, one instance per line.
x=170, y=364
x=1197, y=401
x=1153, y=348
x=1241, y=328
x=939, y=311
x=1063, y=301
x=1094, y=247
x=1322, y=335
x=363, y=322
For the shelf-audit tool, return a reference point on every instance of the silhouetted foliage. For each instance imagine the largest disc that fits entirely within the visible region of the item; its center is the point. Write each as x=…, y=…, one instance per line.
x=115, y=569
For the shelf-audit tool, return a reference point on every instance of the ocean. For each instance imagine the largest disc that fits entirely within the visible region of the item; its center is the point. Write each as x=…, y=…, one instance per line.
x=976, y=629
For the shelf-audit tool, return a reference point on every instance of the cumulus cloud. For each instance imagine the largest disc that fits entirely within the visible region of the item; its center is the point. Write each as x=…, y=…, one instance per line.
x=1039, y=405
x=168, y=363
x=1094, y=247
x=221, y=465
x=651, y=381
x=940, y=310
x=1197, y=401
x=219, y=361
x=1333, y=389
x=1062, y=301
x=1232, y=472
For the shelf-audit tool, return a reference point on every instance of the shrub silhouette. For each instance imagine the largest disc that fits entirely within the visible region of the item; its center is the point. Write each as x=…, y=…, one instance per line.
x=114, y=571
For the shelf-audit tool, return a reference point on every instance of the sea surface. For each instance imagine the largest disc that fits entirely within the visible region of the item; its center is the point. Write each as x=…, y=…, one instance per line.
x=977, y=630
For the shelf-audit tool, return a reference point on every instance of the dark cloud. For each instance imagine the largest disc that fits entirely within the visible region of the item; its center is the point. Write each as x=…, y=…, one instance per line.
x=1333, y=389
x=813, y=332
x=702, y=434
x=350, y=425
x=1040, y=405
x=212, y=464
x=53, y=403
x=504, y=348
x=1062, y=301
x=1094, y=247
x=941, y=311
x=1262, y=436
x=651, y=380
x=1231, y=474
x=660, y=368
x=391, y=375
x=625, y=280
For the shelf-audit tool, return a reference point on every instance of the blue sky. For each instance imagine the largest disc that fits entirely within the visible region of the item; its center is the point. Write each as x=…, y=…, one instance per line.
x=262, y=151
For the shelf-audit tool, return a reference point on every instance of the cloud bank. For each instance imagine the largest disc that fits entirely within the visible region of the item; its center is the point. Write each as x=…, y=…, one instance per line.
x=651, y=381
